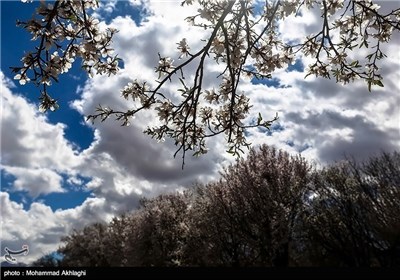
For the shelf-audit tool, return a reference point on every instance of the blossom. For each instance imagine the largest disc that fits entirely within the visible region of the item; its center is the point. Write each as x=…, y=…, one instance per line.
x=62, y=41
x=164, y=65
x=23, y=79
x=289, y=7
x=241, y=40
x=183, y=47
x=136, y=90
x=165, y=110
x=217, y=46
x=206, y=14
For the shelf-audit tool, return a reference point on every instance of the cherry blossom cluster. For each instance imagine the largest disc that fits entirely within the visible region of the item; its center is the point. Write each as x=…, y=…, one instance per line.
x=243, y=38
x=346, y=27
x=64, y=31
x=205, y=112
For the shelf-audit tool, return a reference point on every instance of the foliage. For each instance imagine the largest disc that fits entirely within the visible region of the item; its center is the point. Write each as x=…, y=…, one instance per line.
x=88, y=247
x=358, y=208
x=242, y=38
x=271, y=209
x=247, y=218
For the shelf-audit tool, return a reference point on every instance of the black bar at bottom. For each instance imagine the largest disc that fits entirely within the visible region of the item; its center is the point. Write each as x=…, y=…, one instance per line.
x=194, y=273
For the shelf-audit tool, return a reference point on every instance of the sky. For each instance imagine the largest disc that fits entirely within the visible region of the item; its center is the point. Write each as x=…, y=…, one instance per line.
x=59, y=172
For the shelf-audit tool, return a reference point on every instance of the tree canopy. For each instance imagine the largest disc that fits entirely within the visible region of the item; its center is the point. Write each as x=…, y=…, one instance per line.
x=271, y=209
x=243, y=37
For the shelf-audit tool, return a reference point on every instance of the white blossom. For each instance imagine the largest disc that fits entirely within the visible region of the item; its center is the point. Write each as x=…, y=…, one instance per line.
x=183, y=47
x=241, y=41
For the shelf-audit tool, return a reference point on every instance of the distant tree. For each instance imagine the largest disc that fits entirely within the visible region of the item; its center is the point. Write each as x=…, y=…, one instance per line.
x=248, y=218
x=243, y=37
x=353, y=219
x=97, y=244
x=271, y=209
x=86, y=247
x=157, y=232
x=115, y=241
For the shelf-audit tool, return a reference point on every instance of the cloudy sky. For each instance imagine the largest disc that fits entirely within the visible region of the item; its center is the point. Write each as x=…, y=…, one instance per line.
x=59, y=172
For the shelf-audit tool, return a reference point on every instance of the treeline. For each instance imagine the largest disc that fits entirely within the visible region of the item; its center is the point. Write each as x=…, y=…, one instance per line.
x=271, y=209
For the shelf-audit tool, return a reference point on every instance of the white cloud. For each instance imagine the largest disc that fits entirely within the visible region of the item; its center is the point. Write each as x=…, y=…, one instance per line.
x=35, y=181
x=108, y=6
x=318, y=117
x=122, y=164
x=324, y=120
x=41, y=228
x=33, y=150
x=28, y=139
x=138, y=46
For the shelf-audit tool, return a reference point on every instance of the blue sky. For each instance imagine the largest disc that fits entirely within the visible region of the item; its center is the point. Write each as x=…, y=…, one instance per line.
x=17, y=43
x=60, y=173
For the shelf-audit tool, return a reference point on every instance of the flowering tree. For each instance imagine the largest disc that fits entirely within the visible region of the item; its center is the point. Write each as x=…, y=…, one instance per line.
x=251, y=216
x=242, y=37
x=355, y=204
x=271, y=209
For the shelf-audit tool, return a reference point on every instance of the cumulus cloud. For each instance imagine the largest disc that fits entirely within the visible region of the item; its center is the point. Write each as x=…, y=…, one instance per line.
x=319, y=118
x=108, y=7
x=35, y=181
x=139, y=46
x=33, y=150
x=324, y=120
x=41, y=228
x=121, y=165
